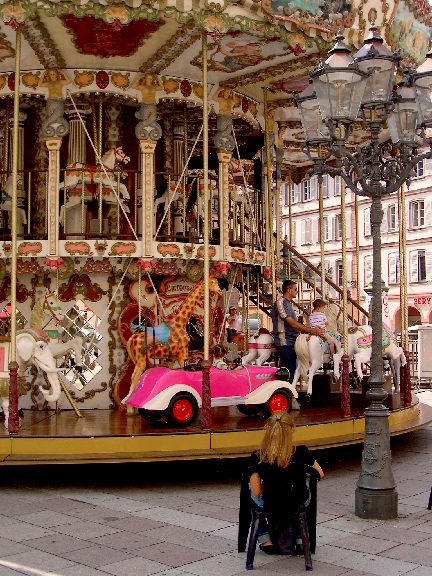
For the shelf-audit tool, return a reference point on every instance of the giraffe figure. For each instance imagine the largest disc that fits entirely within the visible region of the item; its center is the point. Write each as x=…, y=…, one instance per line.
x=178, y=342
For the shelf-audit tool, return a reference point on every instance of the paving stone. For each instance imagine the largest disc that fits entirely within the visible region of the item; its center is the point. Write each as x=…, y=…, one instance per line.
x=99, y=514
x=134, y=524
x=172, y=555
x=420, y=571
x=80, y=570
x=21, y=531
x=223, y=564
x=351, y=523
x=47, y=519
x=19, y=508
x=364, y=544
x=135, y=566
x=425, y=544
x=212, y=511
x=378, y=565
x=85, y=530
x=415, y=554
x=425, y=527
x=40, y=560
x=8, y=547
x=67, y=506
x=400, y=534
x=97, y=556
x=327, y=535
x=183, y=519
x=58, y=543
x=126, y=541
x=5, y=570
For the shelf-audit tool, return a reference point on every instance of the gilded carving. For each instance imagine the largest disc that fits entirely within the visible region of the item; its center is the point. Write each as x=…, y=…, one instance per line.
x=120, y=80
x=148, y=84
x=122, y=249
x=80, y=248
x=84, y=79
x=171, y=85
x=172, y=49
x=31, y=80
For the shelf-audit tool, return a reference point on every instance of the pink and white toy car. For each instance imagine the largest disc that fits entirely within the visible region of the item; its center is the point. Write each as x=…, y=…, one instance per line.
x=176, y=394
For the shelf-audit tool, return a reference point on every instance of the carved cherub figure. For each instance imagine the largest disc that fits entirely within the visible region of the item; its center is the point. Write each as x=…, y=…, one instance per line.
x=225, y=97
x=54, y=79
x=148, y=84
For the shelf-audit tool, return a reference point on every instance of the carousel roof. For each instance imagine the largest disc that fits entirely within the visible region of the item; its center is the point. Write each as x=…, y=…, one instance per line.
x=105, y=45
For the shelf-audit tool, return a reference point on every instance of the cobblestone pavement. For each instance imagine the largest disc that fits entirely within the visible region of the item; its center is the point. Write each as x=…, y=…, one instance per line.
x=180, y=519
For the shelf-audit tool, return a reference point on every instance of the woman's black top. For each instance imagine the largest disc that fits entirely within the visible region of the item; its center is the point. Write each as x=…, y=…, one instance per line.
x=285, y=487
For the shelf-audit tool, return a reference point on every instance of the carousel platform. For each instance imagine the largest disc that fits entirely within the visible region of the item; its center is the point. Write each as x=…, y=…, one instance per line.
x=112, y=436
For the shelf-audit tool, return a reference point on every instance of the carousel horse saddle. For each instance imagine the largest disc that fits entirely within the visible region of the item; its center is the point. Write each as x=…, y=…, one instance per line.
x=154, y=335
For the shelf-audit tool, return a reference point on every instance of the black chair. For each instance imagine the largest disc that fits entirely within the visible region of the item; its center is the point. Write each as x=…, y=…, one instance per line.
x=250, y=516
x=430, y=501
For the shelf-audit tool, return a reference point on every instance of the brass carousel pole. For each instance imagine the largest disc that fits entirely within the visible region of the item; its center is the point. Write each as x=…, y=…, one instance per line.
x=401, y=291
x=345, y=389
x=185, y=157
x=321, y=225
x=6, y=140
x=407, y=392
x=206, y=416
x=13, y=425
x=289, y=222
x=357, y=237
x=270, y=197
x=99, y=147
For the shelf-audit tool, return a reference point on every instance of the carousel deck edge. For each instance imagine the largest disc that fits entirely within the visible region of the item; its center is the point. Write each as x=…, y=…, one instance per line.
x=213, y=444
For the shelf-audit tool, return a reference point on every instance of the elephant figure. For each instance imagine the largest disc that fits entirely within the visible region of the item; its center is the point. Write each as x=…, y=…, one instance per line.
x=33, y=347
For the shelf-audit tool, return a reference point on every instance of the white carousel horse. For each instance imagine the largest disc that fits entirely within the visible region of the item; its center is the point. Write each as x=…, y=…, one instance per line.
x=76, y=173
x=310, y=349
x=360, y=348
x=260, y=348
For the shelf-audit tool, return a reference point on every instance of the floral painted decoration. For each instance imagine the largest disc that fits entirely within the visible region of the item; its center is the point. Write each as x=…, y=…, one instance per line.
x=53, y=264
x=146, y=265
x=223, y=267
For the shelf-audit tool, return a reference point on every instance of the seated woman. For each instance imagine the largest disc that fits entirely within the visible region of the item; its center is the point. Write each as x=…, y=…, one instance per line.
x=277, y=460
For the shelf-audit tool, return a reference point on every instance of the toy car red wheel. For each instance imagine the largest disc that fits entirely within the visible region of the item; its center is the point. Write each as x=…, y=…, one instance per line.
x=281, y=399
x=151, y=415
x=182, y=410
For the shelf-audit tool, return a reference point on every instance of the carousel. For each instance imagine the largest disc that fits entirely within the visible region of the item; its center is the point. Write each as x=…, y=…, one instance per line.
x=143, y=148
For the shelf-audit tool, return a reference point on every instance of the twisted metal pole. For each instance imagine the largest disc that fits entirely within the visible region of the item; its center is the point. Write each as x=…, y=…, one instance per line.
x=206, y=416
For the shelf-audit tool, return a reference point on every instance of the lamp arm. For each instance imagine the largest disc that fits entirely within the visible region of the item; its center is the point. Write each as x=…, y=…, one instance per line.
x=407, y=169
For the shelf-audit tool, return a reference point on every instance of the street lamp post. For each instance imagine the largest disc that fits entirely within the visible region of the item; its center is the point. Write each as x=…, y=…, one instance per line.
x=345, y=87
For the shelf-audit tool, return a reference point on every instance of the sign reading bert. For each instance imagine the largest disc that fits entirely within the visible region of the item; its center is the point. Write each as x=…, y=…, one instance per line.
x=423, y=300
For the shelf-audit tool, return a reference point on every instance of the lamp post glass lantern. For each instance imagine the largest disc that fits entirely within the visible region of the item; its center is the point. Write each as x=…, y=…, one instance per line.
x=348, y=87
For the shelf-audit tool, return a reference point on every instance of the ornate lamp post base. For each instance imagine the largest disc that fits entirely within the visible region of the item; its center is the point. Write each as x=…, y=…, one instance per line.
x=376, y=504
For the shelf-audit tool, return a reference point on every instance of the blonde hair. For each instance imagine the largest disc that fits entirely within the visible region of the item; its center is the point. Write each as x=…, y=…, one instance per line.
x=277, y=444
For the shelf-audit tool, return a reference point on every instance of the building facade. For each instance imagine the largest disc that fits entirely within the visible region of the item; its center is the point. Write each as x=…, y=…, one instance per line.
x=305, y=238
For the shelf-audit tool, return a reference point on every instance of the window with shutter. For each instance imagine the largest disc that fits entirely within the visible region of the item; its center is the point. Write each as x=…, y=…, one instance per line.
x=293, y=234
x=391, y=218
x=427, y=165
x=339, y=272
x=384, y=223
x=427, y=213
x=348, y=226
x=393, y=263
x=315, y=228
x=308, y=238
x=414, y=266
x=303, y=232
x=367, y=222
x=428, y=261
x=417, y=213
x=325, y=190
x=306, y=190
x=368, y=270
x=338, y=227
x=337, y=185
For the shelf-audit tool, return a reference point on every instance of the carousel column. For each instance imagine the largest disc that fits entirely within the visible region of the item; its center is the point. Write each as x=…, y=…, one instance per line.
x=279, y=159
x=13, y=424
x=77, y=136
x=148, y=132
x=22, y=117
x=75, y=217
x=225, y=144
x=53, y=129
x=179, y=131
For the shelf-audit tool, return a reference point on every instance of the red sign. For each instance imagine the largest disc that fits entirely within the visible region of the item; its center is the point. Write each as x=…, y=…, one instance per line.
x=423, y=300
